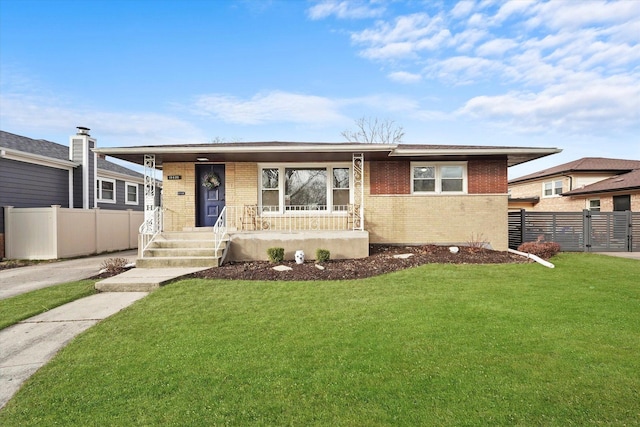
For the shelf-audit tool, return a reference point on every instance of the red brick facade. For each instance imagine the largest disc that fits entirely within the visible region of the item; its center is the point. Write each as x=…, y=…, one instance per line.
x=390, y=177
x=483, y=177
x=487, y=177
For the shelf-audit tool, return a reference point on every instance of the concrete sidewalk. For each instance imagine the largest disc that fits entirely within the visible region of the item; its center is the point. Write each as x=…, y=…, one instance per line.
x=28, y=345
x=16, y=281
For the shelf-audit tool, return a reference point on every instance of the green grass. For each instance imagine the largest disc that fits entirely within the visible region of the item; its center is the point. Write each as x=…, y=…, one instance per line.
x=436, y=345
x=20, y=307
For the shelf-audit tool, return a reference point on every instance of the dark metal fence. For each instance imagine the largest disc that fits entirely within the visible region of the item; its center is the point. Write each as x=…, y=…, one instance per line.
x=584, y=231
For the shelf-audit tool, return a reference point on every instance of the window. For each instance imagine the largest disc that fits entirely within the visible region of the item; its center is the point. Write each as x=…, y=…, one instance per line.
x=131, y=197
x=439, y=178
x=593, y=205
x=106, y=190
x=552, y=188
x=303, y=188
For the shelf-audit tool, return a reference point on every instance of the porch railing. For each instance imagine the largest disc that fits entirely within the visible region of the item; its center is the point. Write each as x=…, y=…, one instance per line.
x=150, y=228
x=293, y=218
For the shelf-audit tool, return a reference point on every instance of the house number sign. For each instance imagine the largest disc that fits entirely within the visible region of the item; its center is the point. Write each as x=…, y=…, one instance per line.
x=174, y=177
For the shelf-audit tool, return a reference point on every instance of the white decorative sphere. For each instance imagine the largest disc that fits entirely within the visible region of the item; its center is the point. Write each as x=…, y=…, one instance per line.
x=299, y=257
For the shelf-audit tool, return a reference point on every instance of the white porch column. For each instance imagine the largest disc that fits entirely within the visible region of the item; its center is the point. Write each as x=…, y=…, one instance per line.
x=149, y=192
x=358, y=191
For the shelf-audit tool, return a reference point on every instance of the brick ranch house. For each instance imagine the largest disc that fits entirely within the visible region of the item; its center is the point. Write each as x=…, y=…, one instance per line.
x=247, y=197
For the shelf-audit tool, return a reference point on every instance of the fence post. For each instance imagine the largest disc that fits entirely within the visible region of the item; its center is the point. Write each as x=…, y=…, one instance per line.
x=586, y=230
x=523, y=222
x=8, y=235
x=629, y=231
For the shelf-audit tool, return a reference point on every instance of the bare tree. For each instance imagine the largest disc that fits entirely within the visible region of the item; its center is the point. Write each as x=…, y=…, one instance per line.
x=374, y=131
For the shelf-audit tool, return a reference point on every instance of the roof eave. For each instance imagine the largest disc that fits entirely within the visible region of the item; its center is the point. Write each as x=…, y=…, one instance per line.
x=23, y=156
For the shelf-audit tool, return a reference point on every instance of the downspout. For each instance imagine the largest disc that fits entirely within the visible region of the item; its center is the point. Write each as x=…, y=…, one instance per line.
x=536, y=258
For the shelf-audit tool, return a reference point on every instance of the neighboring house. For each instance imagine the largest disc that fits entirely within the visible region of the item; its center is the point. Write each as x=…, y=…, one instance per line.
x=594, y=183
x=39, y=173
x=288, y=194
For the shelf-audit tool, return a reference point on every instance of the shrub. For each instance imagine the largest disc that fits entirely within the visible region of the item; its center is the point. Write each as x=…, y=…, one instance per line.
x=323, y=255
x=275, y=255
x=114, y=265
x=544, y=250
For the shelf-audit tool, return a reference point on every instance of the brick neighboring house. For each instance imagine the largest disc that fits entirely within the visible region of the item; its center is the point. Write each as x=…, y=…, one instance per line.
x=288, y=193
x=40, y=173
x=594, y=183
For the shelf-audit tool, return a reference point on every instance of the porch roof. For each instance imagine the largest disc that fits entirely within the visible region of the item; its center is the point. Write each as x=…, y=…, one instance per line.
x=319, y=152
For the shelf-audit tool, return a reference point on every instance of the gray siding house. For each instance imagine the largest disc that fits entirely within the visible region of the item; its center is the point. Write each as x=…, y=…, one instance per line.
x=39, y=173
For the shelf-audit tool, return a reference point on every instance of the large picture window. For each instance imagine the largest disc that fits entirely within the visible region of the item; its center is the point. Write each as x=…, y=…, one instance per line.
x=305, y=187
x=106, y=190
x=439, y=178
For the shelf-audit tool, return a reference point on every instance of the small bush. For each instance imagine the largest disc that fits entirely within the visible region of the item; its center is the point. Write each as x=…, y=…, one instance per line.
x=323, y=255
x=544, y=250
x=275, y=255
x=114, y=265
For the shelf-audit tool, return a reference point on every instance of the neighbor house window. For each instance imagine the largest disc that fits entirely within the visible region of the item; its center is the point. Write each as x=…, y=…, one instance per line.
x=593, y=205
x=439, y=178
x=131, y=193
x=552, y=188
x=303, y=188
x=106, y=190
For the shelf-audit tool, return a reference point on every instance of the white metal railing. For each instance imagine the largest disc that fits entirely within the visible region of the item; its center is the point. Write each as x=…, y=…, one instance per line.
x=220, y=232
x=150, y=228
x=293, y=218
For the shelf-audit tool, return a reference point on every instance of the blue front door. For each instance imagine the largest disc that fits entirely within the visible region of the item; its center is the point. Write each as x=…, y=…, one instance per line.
x=210, y=194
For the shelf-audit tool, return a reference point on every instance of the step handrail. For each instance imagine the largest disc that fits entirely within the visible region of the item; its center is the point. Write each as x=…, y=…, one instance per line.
x=220, y=232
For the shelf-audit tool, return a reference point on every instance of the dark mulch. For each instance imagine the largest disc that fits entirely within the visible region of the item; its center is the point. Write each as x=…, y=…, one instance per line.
x=380, y=261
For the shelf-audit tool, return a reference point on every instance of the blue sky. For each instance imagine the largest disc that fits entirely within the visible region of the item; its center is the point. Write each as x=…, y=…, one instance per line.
x=560, y=73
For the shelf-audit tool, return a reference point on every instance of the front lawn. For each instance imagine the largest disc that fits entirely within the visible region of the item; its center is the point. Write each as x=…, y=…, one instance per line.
x=434, y=345
x=20, y=307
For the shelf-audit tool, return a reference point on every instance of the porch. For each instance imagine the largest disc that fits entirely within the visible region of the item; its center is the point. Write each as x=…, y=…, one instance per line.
x=244, y=233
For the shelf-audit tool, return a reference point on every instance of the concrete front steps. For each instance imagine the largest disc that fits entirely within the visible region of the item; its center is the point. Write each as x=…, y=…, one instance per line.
x=182, y=249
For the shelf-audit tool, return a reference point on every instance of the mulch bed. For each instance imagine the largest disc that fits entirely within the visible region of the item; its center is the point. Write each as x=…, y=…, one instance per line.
x=380, y=261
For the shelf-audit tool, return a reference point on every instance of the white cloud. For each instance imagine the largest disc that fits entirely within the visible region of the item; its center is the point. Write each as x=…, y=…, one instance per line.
x=551, y=64
x=404, y=77
x=462, y=8
x=266, y=107
x=23, y=111
x=566, y=108
x=496, y=47
x=406, y=36
x=344, y=9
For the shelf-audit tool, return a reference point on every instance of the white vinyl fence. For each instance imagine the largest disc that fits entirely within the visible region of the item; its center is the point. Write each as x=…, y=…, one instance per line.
x=56, y=232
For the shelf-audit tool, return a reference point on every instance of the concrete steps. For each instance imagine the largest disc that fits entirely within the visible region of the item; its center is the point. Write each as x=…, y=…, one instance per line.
x=182, y=249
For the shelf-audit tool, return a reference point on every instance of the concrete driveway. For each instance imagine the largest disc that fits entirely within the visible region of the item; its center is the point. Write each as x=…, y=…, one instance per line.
x=16, y=281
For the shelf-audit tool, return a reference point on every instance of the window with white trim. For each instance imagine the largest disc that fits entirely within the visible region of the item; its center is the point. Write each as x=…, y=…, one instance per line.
x=593, y=205
x=438, y=178
x=552, y=188
x=106, y=190
x=131, y=193
x=305, y=187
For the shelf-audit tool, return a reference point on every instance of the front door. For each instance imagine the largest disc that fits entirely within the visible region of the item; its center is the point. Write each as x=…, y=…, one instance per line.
x=210, y=194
